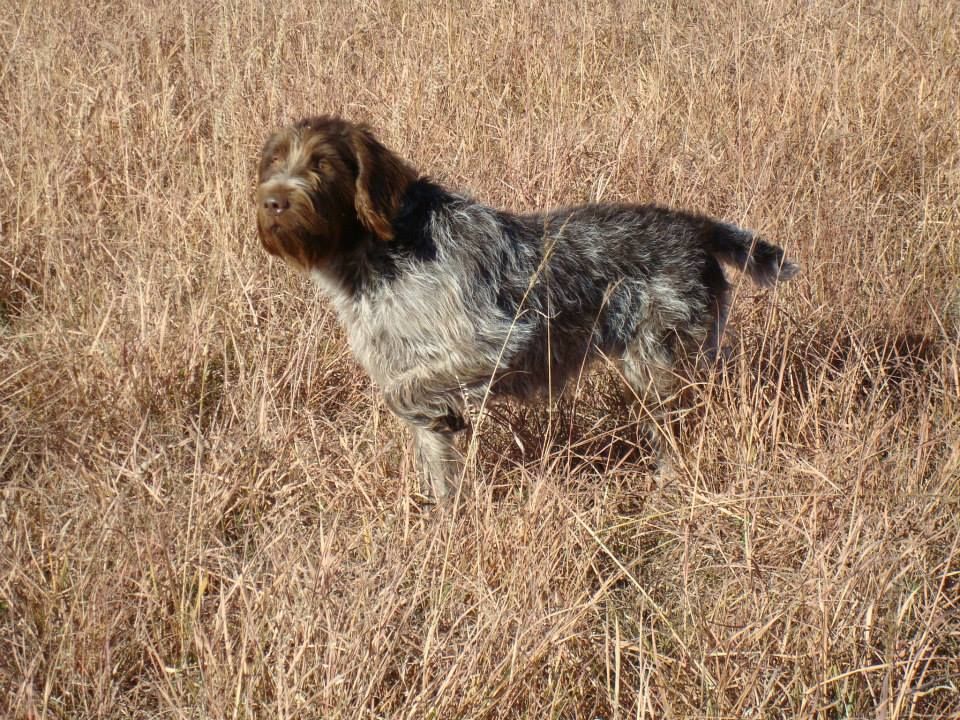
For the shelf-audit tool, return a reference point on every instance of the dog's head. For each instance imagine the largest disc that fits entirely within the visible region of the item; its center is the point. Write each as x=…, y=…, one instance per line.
x=326, y=185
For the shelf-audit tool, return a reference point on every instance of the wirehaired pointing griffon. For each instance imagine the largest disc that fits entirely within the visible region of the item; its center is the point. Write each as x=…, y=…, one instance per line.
x=448, y=302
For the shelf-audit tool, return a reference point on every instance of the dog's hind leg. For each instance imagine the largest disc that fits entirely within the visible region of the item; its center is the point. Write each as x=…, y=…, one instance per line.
x=648, y=370
x=659, y=367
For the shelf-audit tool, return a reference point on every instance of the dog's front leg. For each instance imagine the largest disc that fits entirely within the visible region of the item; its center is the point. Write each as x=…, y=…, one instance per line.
x=432, y=405
x=439, y=463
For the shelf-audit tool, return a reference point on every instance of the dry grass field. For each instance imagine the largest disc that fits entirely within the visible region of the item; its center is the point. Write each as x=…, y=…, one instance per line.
x=206, y=510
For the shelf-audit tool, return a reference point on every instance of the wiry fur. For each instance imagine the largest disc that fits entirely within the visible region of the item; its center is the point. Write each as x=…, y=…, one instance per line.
x=448, y=301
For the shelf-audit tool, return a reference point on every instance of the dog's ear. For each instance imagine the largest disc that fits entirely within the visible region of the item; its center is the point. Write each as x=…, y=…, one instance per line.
x=382, y=180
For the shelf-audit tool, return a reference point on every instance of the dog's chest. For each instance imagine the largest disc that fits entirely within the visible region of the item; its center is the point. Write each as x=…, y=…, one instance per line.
x=419, y=321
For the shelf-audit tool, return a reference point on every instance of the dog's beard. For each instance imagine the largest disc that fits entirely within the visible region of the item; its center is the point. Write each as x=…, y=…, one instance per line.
x=301, y=235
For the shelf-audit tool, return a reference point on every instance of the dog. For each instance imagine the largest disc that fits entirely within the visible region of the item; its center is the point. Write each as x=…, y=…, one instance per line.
x=448, y=303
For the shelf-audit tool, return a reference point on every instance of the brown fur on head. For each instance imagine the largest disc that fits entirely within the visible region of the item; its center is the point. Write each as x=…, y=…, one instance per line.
x=325, y=185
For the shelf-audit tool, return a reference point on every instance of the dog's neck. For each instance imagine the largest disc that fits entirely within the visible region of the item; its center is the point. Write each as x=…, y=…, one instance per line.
x=370, y=263
x=349, y=276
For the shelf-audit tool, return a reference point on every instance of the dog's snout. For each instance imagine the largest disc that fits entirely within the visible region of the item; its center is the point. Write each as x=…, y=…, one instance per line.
x=276, y=203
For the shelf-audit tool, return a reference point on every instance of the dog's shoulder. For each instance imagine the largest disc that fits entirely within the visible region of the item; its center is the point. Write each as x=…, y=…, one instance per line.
x=413, y=222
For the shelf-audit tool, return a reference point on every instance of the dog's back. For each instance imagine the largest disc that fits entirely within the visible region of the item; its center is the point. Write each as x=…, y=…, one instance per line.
x=548, y=292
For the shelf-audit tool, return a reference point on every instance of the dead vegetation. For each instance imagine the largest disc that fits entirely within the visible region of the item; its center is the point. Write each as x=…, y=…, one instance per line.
x=204, y=508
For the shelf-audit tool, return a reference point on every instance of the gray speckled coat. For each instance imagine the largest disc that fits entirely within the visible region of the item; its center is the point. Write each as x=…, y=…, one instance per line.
x=449, y=303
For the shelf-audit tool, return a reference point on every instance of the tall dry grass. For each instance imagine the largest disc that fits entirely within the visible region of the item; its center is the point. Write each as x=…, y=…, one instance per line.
x=204, y=506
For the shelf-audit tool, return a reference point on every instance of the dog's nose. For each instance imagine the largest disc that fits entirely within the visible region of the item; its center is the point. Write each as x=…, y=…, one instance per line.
x=276, y=204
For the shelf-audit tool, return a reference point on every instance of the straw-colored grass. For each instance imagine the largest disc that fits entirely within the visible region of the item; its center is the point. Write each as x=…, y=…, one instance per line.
x=205, y=508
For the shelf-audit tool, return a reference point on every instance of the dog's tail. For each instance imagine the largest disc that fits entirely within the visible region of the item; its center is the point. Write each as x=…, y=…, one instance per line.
x=763, y=262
